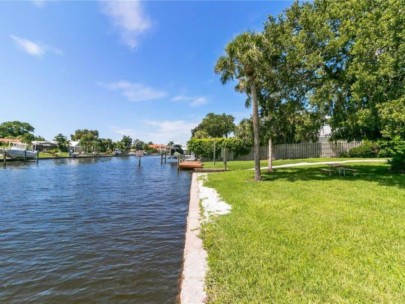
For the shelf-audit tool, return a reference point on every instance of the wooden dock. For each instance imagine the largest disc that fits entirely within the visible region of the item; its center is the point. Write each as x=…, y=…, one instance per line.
x=190, y=165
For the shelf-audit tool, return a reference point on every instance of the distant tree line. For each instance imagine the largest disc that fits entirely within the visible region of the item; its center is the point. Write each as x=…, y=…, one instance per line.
x=89, y=140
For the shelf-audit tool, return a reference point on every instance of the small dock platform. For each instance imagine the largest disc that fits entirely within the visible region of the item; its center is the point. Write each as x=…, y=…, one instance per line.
x=190, y=165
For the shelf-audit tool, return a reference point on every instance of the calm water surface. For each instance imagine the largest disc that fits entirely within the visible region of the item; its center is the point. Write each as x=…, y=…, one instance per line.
x=92, y=231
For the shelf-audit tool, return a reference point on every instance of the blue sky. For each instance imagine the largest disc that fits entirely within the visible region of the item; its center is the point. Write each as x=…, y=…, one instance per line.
x=138, y=68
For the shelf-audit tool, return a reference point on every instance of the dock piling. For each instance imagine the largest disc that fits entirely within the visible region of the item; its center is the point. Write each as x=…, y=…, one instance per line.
x=163, y=157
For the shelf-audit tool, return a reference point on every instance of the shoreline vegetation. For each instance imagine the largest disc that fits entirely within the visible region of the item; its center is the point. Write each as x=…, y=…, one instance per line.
x=65, y=155
x=303, y=236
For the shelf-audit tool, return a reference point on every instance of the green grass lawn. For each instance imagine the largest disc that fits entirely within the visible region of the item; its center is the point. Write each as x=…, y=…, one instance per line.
x=52, y=155
x=243, y=165
x=303, y=237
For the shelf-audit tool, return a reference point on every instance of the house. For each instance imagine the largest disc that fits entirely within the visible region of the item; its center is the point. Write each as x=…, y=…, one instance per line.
x=44, y=145
x=74, y=146
x=158, y=147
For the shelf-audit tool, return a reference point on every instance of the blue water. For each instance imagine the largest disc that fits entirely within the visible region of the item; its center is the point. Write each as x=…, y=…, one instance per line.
x=92, y=231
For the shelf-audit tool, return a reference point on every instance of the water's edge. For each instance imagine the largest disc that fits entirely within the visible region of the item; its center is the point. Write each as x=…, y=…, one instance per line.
x=195, y=257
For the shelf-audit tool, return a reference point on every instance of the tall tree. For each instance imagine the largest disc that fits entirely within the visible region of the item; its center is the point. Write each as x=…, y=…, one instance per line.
x=215, y=126
x=244, y=131
x=126, y=143
x=88, y=138
x=15, y=129
x=139, y=144
x=105, y=144
x=83, y=132
x=62, y=142
x=242, y=61
x=344, y=59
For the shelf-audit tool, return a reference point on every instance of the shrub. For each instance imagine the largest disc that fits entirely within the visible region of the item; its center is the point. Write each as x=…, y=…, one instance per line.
x=366, y=149
x=388, y=148
x=205, y=147
x=380, y=148
x=398, y=160
x=394, y=148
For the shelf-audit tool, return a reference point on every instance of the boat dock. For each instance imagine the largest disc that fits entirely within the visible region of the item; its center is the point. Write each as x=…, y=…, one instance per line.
x=190, y=165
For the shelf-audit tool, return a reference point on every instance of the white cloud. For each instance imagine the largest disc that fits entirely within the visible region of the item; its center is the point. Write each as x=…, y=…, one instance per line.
x=180, y=98
x=128, y=18
x=192, y=101
x=163, y=131
x=160, y=132
x=29, y=46
x=136, y=91
x=35, y=48
x=171, y=126
x=38, y=3
x=198, y=102
x=127, y=132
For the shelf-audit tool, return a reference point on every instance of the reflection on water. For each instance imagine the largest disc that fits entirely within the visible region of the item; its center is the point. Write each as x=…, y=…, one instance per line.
x=91, y=231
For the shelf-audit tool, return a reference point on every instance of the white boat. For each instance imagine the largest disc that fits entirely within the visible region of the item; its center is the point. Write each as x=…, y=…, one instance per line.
x=19, y=151
x=117, y=152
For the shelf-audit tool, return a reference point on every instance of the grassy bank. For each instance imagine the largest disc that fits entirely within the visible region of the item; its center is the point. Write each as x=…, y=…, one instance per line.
x=53, y=155
x=303, y=237
x=243, y=165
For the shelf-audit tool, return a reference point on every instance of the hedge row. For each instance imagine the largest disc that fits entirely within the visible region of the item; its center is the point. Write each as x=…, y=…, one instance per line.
x=204, y=147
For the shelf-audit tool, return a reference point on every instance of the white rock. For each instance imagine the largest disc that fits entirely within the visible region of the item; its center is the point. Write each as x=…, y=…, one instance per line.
x=210, y=200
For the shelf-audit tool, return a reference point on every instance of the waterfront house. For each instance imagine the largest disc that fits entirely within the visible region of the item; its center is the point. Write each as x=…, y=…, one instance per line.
x=74, y=146
x=44, y=145
x=158, y=147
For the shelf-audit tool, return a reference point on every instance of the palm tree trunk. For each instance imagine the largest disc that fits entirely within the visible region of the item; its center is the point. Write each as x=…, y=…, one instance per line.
x=270, y=168
x=256, y=138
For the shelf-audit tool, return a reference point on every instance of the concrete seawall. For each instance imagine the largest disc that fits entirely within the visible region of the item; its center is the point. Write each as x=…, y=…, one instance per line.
x=195, y=257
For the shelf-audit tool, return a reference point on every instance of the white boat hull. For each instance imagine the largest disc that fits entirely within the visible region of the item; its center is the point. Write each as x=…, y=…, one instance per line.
x=21, y=154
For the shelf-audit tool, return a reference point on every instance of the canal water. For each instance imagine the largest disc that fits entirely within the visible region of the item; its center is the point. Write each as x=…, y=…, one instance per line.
x=92, y=231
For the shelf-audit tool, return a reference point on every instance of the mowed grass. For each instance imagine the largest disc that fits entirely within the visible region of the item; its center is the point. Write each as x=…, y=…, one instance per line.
x=50, y=155
x=243, y=165
x=303, y=237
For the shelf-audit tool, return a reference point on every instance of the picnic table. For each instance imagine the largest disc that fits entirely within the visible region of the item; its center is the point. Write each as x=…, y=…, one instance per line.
x=340, y=169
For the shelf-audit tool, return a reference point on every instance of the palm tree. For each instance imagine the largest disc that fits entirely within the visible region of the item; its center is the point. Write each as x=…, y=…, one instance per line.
x=242, y=61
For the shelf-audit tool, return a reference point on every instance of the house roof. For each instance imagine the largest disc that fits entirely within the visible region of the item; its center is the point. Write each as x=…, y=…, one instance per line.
x=74, y=143
x=44, y=143
x=10, y=140
x=157, y=146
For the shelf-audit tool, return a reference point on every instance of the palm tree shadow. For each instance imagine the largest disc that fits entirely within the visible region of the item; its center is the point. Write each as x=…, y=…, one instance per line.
x=366, y=172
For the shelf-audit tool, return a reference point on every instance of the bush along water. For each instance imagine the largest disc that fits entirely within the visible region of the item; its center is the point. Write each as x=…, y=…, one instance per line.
x=204, y=147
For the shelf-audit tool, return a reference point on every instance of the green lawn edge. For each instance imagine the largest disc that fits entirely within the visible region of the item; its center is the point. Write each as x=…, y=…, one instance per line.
x=244, y=165
x=300, y=236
